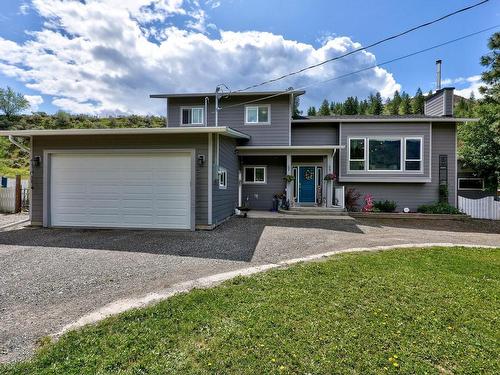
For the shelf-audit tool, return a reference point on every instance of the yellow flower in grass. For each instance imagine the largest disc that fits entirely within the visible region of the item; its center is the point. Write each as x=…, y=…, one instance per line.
x=282, y=368
x=273, y=360
x=395, y=364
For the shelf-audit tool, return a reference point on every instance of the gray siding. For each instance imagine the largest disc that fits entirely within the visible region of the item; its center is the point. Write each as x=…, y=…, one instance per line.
x=311, y=134
x=225, y=200
x=199, y=142
x=361, y=130
x=440, y=104
x=277, y=133
x=260, y=196
x=414, y=195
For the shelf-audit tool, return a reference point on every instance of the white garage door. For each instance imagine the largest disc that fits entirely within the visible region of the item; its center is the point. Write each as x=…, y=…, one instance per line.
x=121, y=190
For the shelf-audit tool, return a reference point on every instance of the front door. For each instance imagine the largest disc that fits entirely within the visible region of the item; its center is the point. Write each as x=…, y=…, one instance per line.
x=307, y=185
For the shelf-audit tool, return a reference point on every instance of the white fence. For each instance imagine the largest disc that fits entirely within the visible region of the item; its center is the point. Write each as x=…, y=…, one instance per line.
x=484, y=208
x=8, y=200
x=339, y=196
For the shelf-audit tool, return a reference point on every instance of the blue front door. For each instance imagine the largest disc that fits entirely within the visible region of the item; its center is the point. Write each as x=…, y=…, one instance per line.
x=307, y=185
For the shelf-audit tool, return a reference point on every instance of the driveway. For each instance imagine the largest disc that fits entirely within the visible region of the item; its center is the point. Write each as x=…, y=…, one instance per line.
x=51, y=277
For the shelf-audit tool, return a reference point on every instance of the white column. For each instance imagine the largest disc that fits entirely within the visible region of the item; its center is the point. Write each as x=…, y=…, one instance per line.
x=289, y=172
x=329, y=184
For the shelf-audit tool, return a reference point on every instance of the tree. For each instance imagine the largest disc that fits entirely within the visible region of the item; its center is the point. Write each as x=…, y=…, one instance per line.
x=363, y=107
x=405, y=107
x=296, y=104
x=491, y=77
x=12, y=103
x=311, y=111
x=324, y=108
x=376, y=106
x=350, y=106
x=418, y=102
x=395, y=104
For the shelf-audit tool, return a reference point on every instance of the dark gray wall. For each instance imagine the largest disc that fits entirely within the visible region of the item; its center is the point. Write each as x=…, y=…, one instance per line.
x=277, y=133
x=440, y=104
x=360, y=130
x=224, y=201
x=157, y=141
x=314, y=134
x=260, y=196
x=413, y=195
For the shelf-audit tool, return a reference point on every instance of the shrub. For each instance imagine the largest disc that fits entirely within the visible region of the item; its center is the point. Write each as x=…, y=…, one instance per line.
x=385, y=206
x=443, y=193
x=351, y=199
x=368, y=207
x=438, y=208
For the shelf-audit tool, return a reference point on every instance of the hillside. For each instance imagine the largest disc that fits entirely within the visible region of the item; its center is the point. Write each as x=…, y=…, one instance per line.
x=14, y=161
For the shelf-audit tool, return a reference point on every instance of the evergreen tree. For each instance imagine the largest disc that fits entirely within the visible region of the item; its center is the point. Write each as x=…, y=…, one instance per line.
x=418, y=102
x=363, y=107
x=405, y=107
x=324, y=109
x=491, y=77
x=296, y=104
x=395, y=104
x=350, y=106
x=311, y=111
x=376, y=106
x=338, y=109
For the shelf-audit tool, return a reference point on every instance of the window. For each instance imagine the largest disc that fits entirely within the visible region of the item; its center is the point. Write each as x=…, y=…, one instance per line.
x=254, y=175
x=384, y=154
x=413, y=154
x=357, y=154
x=470, y=183
x=222, y=178
x=258, y=114
x=192, y=116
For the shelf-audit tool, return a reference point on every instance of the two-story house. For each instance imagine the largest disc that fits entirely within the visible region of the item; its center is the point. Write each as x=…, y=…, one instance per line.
x=207, y=161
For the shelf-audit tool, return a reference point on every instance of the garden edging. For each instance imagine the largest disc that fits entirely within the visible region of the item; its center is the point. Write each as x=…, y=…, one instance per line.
x=410, y=215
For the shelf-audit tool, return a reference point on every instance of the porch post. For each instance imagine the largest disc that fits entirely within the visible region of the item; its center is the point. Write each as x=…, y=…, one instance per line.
x=329, y=184
x=289, y=183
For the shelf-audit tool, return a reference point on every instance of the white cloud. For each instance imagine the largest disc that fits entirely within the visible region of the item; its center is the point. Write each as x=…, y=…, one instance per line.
x=466, y=85
x=24, y=8
x=35, y=101
x=107, y=56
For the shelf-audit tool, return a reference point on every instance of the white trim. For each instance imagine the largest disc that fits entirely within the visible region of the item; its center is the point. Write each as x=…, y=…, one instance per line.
x=385, y=179
x=222, y=171
x=421, y=160
x=323, y=147
x=349, y=154
x=430, y=150
x=224, y=130
x=245, y=182
x=290, y=115
x=192, y=108
x=268, y=122
x=308, y=165
x=471, y=178
x=210, y=177
x=339, y=158
x=47, y=154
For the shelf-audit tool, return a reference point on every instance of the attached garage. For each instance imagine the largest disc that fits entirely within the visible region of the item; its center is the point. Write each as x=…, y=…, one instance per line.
x=119, y=189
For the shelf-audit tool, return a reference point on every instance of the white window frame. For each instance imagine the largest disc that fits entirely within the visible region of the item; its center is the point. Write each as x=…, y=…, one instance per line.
x=222, y=182
x=471, y=178
x=268, y=122
x=254, y=167
x=349, y=155
x=383, y=138
x=193, y=123
x=421, y=160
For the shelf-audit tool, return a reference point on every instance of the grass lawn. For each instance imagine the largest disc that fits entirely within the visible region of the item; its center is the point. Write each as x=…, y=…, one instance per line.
x=403, y=311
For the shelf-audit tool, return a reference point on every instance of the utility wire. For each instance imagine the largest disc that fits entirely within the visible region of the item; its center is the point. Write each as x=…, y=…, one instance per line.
x=367, y=68
x=365, y=48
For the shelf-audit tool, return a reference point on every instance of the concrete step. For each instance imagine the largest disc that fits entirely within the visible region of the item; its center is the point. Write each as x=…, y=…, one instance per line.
x=315, y=211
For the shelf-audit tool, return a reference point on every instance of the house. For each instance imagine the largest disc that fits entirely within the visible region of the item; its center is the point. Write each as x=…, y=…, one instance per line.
x=206, y=162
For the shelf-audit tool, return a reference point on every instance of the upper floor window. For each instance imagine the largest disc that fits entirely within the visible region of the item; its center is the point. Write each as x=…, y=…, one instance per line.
x=192, y=116
x=258, y=114
x=385, y=154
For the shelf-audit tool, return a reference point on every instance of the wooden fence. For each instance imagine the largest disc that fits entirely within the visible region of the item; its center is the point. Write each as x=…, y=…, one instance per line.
x=484, y=208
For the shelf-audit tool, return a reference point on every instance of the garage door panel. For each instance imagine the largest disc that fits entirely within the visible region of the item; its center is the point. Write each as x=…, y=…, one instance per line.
x=139, y=190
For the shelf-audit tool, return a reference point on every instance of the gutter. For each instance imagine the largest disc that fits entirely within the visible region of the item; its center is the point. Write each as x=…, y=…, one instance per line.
x=16, y=143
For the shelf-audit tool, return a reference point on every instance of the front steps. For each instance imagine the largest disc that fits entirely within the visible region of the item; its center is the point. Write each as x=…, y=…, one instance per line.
x=315, y=211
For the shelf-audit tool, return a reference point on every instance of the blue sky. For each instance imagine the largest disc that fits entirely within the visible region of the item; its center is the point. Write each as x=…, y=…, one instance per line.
x=105, y=56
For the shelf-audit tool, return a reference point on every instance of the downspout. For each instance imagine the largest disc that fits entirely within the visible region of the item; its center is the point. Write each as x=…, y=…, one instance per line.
x=206, y=110
x=16, y=143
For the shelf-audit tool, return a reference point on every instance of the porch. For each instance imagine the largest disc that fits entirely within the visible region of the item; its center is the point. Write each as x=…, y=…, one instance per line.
x=298, y=172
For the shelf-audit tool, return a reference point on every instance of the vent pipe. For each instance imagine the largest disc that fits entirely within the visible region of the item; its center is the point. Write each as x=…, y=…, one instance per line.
x=438, y=74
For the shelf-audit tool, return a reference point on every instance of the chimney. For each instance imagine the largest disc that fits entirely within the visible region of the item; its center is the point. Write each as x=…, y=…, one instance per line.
x=438, y=75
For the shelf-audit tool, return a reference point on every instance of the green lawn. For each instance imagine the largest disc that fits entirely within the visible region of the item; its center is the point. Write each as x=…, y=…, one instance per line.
x=403, y=311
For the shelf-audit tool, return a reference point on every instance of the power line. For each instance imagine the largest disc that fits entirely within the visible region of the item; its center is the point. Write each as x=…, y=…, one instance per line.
x=365, y=48
x=367, y=68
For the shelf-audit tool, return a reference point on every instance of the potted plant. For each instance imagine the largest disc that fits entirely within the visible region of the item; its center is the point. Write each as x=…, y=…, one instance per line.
x=330, y=177
x=289, y=178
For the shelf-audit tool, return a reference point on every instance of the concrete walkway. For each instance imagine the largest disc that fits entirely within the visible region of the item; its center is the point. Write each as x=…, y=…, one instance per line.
x=52, y=278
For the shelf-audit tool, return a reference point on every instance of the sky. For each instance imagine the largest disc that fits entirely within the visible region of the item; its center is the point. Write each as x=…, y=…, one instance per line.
x=104, y=57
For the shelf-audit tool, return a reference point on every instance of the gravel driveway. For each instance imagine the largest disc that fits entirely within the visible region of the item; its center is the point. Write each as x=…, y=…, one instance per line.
x=51, y=277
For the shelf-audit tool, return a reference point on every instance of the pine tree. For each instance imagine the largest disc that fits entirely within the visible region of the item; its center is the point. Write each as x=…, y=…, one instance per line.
x=338, y=109
x=395, y=104
x=363, y=107
x=405, y=107
x=311, y=111
x=350, y=106
x=296, y=104
x=418, y=102
x=324, y=109
x=376, y=106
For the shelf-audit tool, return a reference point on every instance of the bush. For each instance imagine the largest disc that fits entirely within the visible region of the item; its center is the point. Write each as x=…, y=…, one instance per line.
x=351, y=199
x=438, y=208
x=443, y=193
x=385, y=206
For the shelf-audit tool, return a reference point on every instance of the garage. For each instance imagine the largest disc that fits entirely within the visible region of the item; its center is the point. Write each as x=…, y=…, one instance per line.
x=119, y=189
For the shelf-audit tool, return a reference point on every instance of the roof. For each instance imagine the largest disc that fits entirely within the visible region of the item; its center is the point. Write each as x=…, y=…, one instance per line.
x=223, y=130
x=380, y=118
x=212, y=94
